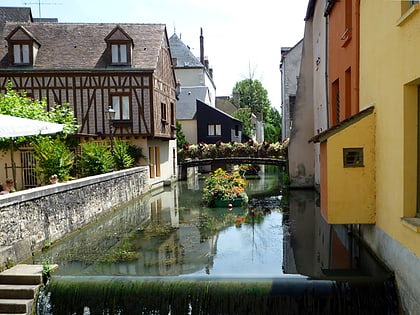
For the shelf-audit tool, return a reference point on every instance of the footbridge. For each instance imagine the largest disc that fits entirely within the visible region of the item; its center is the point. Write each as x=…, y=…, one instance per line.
x=184, y=165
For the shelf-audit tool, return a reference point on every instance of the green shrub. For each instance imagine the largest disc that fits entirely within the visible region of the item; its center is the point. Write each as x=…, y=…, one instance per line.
x=95, y=159
x=135, y=152
x=53, y=157
x=122, y=158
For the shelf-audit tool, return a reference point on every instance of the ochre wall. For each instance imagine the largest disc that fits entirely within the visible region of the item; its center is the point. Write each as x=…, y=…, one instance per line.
x=351, y=190
x=389, y=75
x=343, y=42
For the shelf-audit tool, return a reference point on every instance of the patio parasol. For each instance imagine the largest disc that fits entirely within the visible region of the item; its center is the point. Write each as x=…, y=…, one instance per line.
x=12, y=127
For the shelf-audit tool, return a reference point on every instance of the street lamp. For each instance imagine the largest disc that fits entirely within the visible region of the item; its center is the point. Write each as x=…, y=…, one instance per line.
x=110, y=115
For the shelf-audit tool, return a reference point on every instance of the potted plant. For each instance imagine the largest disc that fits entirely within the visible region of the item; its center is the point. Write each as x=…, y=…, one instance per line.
x=223, y=189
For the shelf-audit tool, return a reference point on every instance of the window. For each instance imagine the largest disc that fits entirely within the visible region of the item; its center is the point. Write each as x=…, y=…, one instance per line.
x=335, y=102
x=119, y=53
x=215, y=130
x=21, y=54
x=121, y=105
x=163, y=112
x=173, y=114
x=353, y=157
x=22, y=47
x=348, y=19
x=119, y=47
x=236, y=130
x=413, y=2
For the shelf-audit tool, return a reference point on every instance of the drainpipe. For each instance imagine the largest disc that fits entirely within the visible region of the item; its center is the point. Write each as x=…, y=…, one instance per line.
x=327, y=103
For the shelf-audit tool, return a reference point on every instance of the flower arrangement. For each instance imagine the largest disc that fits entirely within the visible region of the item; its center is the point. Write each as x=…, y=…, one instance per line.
x=222, y=185
x=238, y=149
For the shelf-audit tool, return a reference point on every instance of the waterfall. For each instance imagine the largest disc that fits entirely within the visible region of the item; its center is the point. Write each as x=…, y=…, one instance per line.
x=201, y=295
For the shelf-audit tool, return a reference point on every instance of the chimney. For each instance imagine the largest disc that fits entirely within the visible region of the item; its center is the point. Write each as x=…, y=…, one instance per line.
x=201, y=46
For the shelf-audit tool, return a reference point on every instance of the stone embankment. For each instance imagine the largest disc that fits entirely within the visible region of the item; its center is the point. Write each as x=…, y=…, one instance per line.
x=32, y=218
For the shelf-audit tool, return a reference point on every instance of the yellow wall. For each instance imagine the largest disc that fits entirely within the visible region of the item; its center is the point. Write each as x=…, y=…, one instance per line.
x=389, y=72
x=351, y=190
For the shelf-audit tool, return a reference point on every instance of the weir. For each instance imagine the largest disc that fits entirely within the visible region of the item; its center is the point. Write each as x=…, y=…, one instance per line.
x=201, y=295
x=166, y=253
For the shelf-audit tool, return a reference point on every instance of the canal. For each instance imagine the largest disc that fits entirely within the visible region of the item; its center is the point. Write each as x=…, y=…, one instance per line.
x=166, y=253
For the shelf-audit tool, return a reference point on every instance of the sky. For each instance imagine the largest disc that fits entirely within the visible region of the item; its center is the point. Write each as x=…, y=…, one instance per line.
x=242, y=38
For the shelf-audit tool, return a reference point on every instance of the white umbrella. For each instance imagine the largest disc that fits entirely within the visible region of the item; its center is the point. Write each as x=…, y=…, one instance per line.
x=12, y=127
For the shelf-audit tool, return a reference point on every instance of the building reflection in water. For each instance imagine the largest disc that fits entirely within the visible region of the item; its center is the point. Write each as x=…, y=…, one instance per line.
x=316, y=249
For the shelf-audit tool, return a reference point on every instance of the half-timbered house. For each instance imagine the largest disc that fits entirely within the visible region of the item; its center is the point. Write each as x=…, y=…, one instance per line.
x=94, y=67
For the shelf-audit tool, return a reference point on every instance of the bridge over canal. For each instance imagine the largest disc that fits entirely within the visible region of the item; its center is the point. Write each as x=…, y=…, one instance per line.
x=184, y=165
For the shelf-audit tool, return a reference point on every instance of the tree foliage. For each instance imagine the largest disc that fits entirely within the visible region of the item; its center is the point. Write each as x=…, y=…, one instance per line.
x=272, y=126
x=252, y=94
x=244, y=115
x=17, y=104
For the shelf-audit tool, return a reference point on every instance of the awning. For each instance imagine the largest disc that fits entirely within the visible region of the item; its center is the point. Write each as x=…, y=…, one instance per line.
x=11, y=127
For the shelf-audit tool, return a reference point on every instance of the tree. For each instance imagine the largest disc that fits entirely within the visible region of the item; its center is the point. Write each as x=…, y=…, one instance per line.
x=53, y=156
x=272, y=126
x=17, y=104
x=244, y=115
x=252, y=94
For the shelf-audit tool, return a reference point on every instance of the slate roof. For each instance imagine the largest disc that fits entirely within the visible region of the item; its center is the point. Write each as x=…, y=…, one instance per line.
x=15, y=14
x=75, y=46
x=186, y=105
x=22, y=15
x=185, y=58
x=219, y=111
x=225, y=105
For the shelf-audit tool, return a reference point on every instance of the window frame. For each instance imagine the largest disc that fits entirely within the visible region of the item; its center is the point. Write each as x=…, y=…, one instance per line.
x=119, y=106
x=22, y=53
x=353, y=157
x=163, y=112
x=118, y=60
x=216, y=130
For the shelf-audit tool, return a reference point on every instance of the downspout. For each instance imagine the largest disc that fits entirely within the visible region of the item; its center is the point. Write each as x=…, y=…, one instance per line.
x=327, y=103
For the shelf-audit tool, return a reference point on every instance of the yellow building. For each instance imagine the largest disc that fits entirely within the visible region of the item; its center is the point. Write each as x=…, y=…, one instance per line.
x=389, y=81
x=369, y=162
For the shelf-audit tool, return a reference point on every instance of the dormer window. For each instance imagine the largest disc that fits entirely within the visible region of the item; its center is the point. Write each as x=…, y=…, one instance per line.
x=23, y=47
x=120, y=46
x=119, y=53
x=21, y=54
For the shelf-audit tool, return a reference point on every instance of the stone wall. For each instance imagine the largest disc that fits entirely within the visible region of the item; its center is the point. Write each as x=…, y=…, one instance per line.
x=33, y=217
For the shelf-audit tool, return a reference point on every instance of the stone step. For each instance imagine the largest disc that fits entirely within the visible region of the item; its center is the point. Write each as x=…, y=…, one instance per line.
x=19, y=286
x=11, y=291
x=23, y=306
x=22, y=274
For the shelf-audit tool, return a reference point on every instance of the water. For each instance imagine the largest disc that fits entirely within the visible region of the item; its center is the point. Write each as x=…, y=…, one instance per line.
x=167, y=254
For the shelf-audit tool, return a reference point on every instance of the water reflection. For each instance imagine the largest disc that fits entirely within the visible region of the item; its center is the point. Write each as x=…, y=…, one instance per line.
x=170, y=233
x=319, y=250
